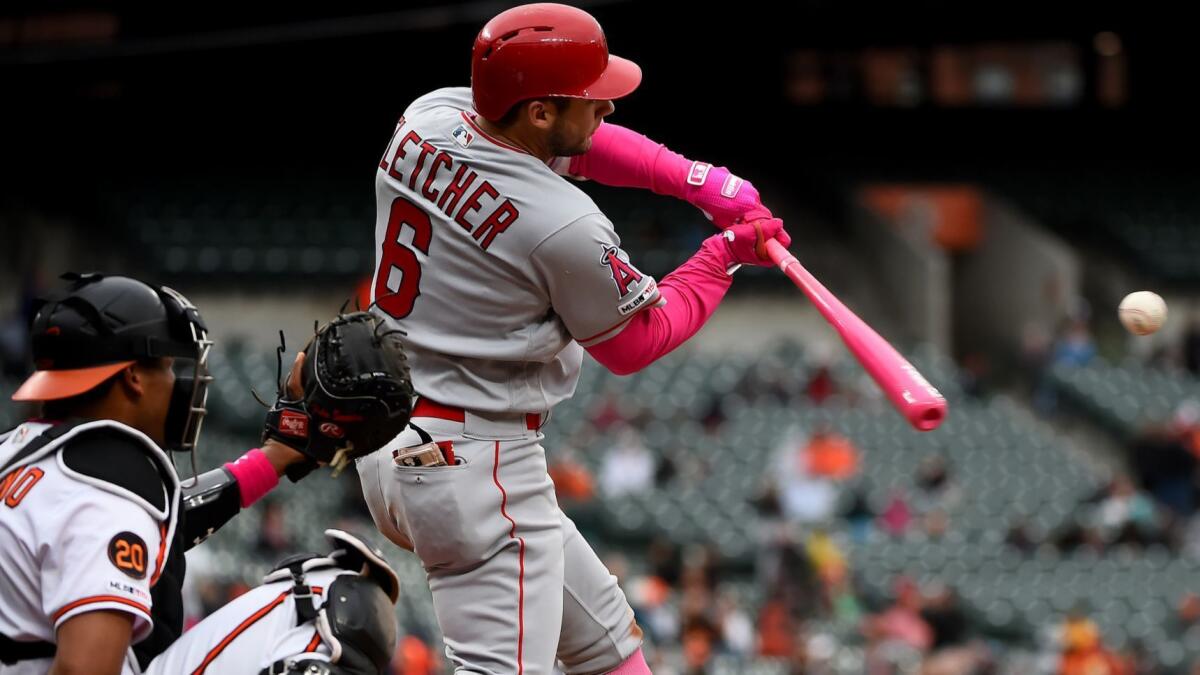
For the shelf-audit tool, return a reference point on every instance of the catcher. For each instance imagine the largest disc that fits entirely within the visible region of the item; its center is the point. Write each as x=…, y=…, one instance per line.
x=94, y=520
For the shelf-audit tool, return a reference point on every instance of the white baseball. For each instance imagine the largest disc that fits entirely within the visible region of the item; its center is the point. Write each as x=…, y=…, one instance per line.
x=1142, y=312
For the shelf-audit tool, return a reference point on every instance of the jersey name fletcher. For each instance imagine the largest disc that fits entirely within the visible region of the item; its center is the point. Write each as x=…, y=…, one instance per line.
x=453, y=188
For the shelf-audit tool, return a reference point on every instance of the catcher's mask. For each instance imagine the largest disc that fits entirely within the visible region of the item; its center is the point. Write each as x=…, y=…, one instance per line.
x=103, y=324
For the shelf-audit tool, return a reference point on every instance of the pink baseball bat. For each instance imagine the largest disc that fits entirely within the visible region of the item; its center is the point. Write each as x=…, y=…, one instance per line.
x=918, y=401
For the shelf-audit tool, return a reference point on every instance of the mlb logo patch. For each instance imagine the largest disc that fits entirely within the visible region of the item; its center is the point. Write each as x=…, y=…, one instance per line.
x=462, y=135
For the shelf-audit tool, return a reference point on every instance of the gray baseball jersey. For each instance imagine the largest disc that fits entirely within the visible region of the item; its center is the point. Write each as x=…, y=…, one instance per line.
x=496, y=267
x=499, y=271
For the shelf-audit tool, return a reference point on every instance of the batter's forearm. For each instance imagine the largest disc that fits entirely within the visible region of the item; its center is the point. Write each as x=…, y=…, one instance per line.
x=622, y=157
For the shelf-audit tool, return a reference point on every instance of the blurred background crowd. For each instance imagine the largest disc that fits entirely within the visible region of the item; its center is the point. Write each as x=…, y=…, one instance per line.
x=982, y=186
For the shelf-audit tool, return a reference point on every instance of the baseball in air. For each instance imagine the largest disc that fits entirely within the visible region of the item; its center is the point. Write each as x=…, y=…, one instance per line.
x=1142, y=312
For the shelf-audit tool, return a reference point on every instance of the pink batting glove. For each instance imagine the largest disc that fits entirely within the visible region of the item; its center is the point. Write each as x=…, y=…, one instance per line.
x=722, y=197
x=746, y=243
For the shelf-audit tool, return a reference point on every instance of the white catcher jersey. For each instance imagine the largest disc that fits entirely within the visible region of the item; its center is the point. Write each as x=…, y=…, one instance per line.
x=71, y=544
x=496, y=267
x=250, y=633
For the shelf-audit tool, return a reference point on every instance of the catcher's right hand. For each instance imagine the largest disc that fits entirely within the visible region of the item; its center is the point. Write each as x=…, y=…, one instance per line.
x=348, y=394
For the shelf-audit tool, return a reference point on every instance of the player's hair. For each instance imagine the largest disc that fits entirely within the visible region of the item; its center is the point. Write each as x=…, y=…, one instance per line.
x=510, y=117
x=65, y=408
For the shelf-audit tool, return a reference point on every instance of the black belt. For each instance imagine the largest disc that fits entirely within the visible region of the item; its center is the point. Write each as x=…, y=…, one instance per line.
x=12, y=651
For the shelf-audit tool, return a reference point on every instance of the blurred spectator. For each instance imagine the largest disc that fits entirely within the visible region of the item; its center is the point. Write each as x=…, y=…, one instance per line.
x=414, y=657
x=14, y=329
x=737, y=630
x=273, y=539
x=903, y=622
x=831, y=455
x=572, y=480
x=944, y=613
x=665, y=561
x=1187, y=615
x=1126, y=515
x=1075, y=347
x=649, y=596
x=14, y=347
x=714, y=417
x=627, y=466
x=974, y=374
x=821, y=385
x=776, y=633
x=1083, y=653
x=1166, y=466
x=859, y=516
x=1191, y=346
x=665, y=471
x=1020, y=536
x=806, y=474
x=936, y=489
x=896, y=516
x=698, y=639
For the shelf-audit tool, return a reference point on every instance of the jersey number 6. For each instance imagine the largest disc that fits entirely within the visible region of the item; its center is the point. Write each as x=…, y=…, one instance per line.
x=396, y=258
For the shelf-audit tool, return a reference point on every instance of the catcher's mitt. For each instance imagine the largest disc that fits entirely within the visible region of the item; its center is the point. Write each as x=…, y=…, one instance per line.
x=356, y=395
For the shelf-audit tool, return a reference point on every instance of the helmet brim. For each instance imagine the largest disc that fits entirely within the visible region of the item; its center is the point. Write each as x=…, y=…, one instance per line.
x=50, y=385
x=618, y=80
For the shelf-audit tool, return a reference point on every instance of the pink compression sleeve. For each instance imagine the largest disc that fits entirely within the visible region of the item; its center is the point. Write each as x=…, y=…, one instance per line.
x=692, y=292
x=255, y=476
x=624, y=158
x=621, y=157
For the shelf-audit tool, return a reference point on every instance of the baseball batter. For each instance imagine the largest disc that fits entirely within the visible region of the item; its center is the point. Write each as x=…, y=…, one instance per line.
x=93, y=517
x=502, y=273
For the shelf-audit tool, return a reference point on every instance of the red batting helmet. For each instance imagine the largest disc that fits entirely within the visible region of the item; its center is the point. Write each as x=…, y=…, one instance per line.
x=545, y=49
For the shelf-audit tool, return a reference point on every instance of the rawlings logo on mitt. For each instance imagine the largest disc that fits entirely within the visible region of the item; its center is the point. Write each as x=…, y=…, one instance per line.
x=348, y=394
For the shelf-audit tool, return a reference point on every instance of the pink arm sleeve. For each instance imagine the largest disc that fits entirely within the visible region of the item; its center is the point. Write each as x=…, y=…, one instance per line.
x=621, y=157
x=692, y=292
x=255, y=476
x=624, y=158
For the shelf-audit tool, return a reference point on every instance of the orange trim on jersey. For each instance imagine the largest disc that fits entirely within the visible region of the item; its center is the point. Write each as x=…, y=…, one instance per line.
x=241, y=628
x=312, y=645
x=495, y=141
x=98, y=598
x=162, y=551
x=9, y=480
x=20, y=485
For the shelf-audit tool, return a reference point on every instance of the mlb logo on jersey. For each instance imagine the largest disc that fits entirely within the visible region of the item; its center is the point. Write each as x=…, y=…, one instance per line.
x=462, y=135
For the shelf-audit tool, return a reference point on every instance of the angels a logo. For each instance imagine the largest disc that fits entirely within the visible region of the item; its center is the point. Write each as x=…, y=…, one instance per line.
x=624, y=275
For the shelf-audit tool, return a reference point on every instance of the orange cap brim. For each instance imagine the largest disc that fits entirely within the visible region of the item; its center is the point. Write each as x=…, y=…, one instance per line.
x=48, y=385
